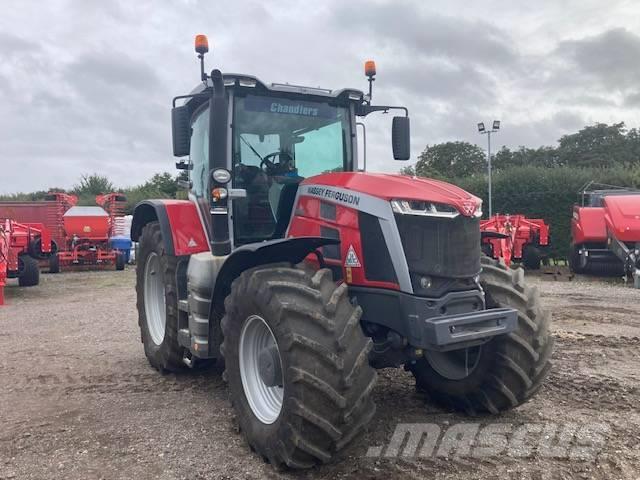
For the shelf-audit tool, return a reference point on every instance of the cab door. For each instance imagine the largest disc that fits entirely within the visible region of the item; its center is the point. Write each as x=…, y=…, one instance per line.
x=199, y=160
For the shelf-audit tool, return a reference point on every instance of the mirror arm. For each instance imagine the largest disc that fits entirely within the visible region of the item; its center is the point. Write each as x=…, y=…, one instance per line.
x=364, y=110
x=182, y=165
x=194, y=95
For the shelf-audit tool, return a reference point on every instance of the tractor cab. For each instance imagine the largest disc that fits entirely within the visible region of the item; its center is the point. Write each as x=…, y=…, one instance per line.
x=274, y=137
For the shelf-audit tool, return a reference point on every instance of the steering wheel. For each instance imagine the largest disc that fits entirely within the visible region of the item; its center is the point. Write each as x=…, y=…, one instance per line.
x=272, y=168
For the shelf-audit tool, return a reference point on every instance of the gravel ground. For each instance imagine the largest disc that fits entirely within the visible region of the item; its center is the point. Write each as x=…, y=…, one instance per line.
x=79, y=401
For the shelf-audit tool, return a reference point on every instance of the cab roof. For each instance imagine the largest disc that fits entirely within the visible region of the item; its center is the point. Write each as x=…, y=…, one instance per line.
x=249, y=81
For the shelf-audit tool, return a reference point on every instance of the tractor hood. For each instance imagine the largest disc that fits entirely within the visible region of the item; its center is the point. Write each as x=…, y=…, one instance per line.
x=401, y=187
x=623, y=216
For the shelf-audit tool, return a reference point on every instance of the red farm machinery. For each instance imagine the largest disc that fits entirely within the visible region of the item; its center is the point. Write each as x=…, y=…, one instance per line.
x=21, y=246
x=304, y=274
x=47, y=212
x=515, y=238
x=81, y=233
x=605, y=232
x=87, y=230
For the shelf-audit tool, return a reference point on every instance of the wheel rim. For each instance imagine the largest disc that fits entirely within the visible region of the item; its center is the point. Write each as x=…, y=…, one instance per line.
x=455, y=364
x=154, y=301
x=265, y=401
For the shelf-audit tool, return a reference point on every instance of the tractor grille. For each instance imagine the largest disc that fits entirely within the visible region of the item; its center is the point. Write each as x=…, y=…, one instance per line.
x=442, y=247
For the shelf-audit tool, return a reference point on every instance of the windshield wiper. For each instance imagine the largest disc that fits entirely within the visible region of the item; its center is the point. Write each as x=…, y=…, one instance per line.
x=252, y=149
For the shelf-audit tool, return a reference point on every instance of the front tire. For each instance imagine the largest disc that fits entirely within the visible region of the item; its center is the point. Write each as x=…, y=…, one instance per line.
x=506, y=371
x=157, y=301
x=319, y=400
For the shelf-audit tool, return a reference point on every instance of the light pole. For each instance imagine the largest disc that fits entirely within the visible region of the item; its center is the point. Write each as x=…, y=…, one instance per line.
x=494, y=128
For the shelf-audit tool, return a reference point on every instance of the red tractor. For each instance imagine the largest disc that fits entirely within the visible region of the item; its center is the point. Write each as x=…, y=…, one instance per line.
x=21, y=246
x=605, y=232
x=306, y=275
x=515, y=237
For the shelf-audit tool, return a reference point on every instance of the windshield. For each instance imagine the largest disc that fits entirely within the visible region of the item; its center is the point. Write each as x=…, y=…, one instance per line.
x=277, y=143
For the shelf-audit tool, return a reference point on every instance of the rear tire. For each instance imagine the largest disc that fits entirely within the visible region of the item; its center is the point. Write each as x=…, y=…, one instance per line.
x=54, y=264
x=157, y=291
x=30, y=272
x=120, y=261
x=510, y=368
x=531, y=258
x=326, y=380
x=574, y=259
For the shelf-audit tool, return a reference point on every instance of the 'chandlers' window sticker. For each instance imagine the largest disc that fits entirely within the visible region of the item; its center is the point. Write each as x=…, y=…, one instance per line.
x=289, y=107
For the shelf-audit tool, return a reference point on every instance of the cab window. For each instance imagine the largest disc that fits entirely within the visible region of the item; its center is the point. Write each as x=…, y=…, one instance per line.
x=199, y=153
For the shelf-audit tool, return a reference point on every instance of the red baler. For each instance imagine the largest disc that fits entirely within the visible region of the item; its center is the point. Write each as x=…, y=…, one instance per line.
x=605, y=231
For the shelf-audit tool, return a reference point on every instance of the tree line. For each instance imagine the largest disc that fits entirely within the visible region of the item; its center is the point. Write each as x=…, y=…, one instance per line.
x=594, y=146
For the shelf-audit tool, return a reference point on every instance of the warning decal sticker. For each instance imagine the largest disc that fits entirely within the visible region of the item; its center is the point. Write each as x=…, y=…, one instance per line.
x=352, y=258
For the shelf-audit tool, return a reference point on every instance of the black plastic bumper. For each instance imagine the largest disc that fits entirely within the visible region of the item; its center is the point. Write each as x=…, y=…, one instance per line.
x=435, y=323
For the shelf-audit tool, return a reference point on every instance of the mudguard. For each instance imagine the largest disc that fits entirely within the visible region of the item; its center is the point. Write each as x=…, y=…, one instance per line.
x=292, y=250
x=181, y=228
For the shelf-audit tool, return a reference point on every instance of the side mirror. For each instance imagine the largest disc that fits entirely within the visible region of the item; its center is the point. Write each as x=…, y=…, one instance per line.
x=181, y=130
x=401, y=138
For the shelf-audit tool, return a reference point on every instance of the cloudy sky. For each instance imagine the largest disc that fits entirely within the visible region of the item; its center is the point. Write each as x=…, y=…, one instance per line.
x=86, y=85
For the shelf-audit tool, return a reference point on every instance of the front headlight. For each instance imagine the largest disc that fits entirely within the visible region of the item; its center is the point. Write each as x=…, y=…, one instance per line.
x=423, y=208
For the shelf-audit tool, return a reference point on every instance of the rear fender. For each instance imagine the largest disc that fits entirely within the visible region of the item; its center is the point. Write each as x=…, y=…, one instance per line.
x=292, y=250
x=181, y=228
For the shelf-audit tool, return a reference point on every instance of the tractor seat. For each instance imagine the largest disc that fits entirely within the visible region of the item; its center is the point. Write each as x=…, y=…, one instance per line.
x=285, y=207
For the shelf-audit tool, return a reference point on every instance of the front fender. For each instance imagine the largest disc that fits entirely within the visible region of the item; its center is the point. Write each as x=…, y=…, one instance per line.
x=292, y=250
x=182, y=230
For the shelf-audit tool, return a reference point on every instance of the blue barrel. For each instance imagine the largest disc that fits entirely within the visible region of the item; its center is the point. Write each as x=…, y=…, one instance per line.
x=122, y=244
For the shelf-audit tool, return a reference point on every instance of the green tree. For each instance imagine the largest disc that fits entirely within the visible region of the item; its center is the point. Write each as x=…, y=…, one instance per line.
x=451, y=159
x=409, y=171
x=92, y=185
x=523, y=156
x=598, y=145
x=165, y=183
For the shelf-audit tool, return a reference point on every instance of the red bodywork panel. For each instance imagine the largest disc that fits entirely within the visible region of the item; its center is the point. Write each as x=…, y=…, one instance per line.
x=520, y=230
x=389, y=187
x=622, y=217
x=48, y=212
x=186, y=228
x=88, y=223
x=588, y=225
x=349, y=188
x=307, y=222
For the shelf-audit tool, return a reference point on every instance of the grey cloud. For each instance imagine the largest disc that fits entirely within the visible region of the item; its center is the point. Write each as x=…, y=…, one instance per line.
x=429, y=34
x=12, y=44
x=610, y=58
x=633, y=99
x=112, y=69
x=456, y=84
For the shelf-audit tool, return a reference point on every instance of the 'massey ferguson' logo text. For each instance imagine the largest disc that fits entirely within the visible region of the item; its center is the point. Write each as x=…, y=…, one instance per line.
x=331, y=194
